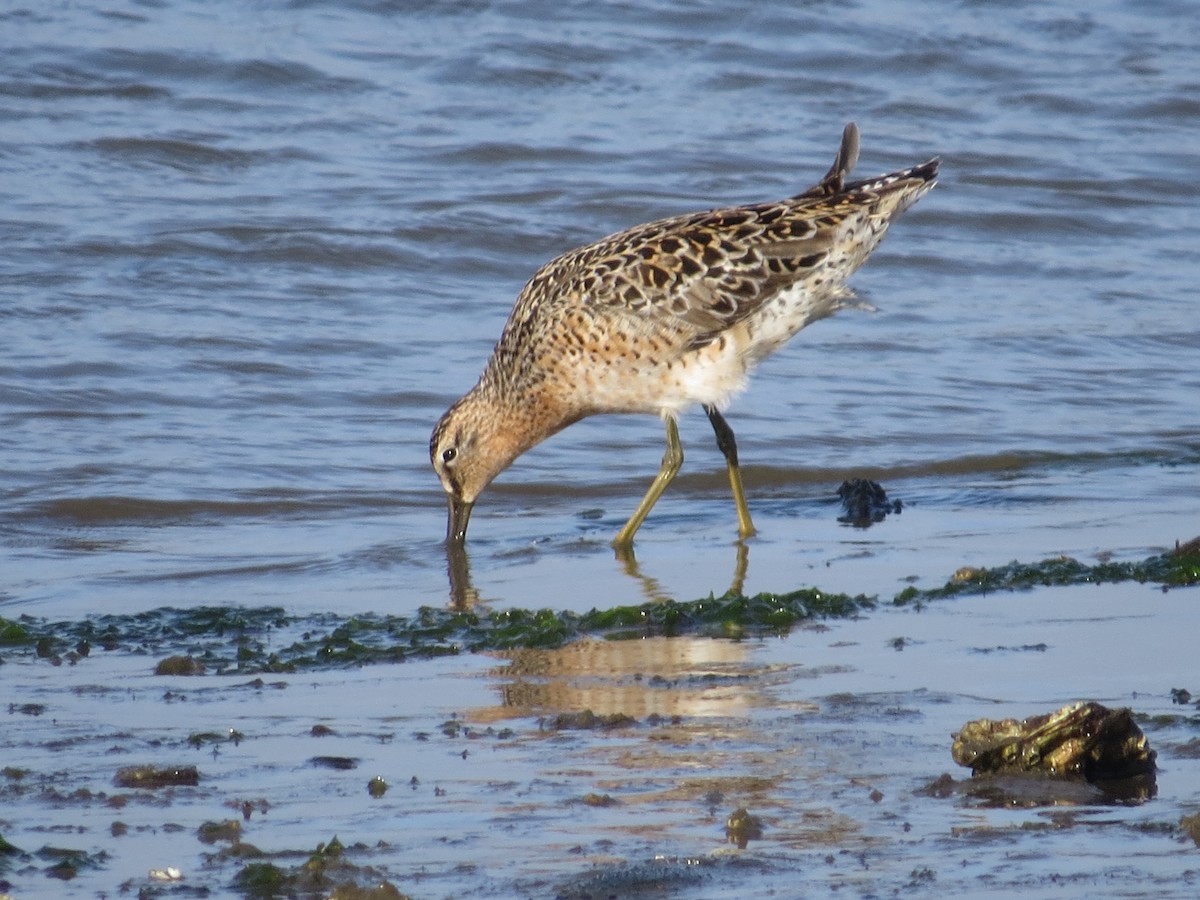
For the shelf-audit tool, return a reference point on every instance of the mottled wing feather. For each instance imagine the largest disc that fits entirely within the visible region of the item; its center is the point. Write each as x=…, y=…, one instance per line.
x=695, y=276
x=689, y=278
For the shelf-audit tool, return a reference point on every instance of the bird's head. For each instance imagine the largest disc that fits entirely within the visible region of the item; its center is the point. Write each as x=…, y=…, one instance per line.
x=470, y=446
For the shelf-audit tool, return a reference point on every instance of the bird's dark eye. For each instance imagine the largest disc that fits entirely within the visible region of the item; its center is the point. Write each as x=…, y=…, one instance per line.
x=449, y=455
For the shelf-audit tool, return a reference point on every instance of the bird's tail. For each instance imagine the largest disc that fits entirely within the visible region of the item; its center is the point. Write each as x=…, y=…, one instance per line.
x=922, y=177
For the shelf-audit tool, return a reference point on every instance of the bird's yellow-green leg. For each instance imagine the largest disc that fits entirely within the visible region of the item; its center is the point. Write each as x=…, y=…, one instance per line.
x=671, y=462
x=728, y=446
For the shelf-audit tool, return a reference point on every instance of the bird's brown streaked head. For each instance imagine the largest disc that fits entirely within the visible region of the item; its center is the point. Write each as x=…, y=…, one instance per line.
x=468, y=450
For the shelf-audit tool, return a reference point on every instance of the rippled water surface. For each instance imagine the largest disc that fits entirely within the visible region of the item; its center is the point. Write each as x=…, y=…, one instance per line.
x=252, y=251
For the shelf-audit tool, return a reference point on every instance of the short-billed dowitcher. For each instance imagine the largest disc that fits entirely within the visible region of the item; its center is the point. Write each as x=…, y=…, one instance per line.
x=663, y=316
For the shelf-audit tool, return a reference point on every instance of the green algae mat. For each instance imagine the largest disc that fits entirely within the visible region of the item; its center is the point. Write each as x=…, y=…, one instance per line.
x=258, y=640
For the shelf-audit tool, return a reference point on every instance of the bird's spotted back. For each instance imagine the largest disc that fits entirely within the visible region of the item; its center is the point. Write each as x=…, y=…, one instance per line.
x=689, y=278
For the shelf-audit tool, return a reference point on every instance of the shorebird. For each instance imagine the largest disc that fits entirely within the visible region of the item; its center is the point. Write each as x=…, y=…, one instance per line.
x=662, y=316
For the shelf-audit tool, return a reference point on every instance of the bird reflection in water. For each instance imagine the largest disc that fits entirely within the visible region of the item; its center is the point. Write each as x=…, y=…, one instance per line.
x=464, y=595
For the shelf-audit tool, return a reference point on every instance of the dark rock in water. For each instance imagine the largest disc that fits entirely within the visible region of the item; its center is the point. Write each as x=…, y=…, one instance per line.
x=179, y=665
x=212, y=832
x=150, y=777
x=865, y=502
x=587, y=720
x=942, y=786
x=664, y=876
x=1082, y=754
x=1085, y=740
x=344, y=763
x=741, y=827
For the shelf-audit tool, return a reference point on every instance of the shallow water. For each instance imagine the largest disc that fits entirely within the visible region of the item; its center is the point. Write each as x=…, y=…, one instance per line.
x=832, y=736
x=251, y=252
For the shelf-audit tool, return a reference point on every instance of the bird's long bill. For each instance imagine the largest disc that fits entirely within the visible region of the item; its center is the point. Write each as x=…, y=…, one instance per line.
x=456, y=521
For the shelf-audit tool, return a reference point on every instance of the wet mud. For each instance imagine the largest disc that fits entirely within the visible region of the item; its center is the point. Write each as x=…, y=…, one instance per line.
x=630, y=752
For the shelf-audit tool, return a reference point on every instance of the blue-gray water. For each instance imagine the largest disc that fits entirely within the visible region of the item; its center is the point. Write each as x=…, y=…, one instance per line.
x=252, y=251
x=249, y=252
